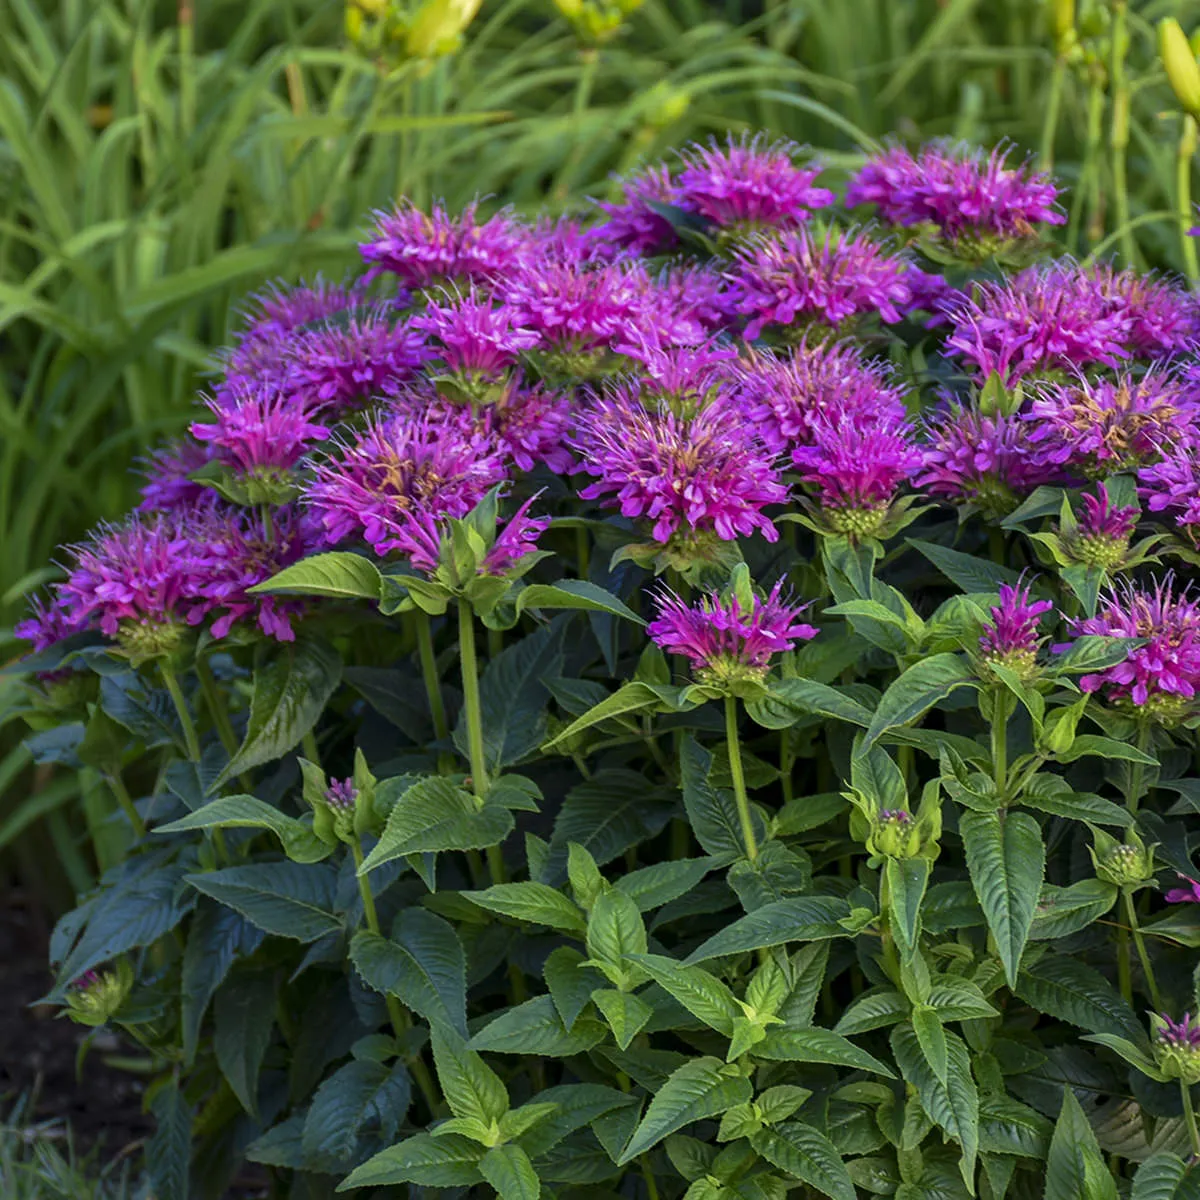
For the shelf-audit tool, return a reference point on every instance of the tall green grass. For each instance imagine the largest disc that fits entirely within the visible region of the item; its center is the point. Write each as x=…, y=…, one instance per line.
x=153, y=172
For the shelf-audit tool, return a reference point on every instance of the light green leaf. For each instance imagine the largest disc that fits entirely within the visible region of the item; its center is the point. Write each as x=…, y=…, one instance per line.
x=573, y=593
x=818, y=1046
x=798, y=919
x=248, y=812
x=338, y=574
x=1165, y=1177
x=907, y=879
x=653, y=886
x=508, y=1169
x=1007, y=862
x=471, y=1088
x=931, y=1037
x=615, y=930
x=625, y=1013
x=536, y=1028
x=704, y=1087
x=535, y=903
x=630, y=698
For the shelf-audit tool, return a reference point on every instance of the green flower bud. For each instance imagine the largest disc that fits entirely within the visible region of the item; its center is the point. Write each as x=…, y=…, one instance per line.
x=438, y=26
x=96, y=996
x=894, y=834
x=1177, y=1047
x=1179, y=62
x=1125, y=865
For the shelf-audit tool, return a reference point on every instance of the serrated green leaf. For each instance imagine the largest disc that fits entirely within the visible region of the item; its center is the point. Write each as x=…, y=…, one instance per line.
x=907, y=879
x=704, y=1087
x=1165, y=1177
x=1064, y=987
x=798, y=919
x=917, y=690
x=1075, y=1167
x=534, y=903
x=248, y=812
x=169, y=1150
x=427, y=1161
x=432, y=815
x=968, y=573
x=625, y=1013
x=653, y=886
x=875, y=1009
x=629, y=698
x=244, y=1014
x=818, y=1046
x=931, y=1037
x=356, y=1094
x=576, y=594
x=701, y=993
x=806, y=1154
x=571, y=983
x=471, y=1088
x=422, y=964
x=508, y=1169
x=952, y=1105
x=615, y=929
x=284, y=898
x=1006, y=859
x=536, y=1028
x=291, y=689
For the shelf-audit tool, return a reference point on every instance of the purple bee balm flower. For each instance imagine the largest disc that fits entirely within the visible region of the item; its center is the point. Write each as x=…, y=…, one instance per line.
x=804, y=279
x=50, y=621
x=984, y=459
x=142, y=573
x=790, y=396
x=580, y=312
x=1048, y=318
x=238, y=549
x=634, y=225
x=1184, y=1034
x=438, y=249
x=339, y=366
x=341, y=794
x=1163, y=317
x=1105, y=426
x=402, y=463
x=1158, y=679
x=168, y=487
x=1101, y=519
x=1172, y=485
x=1011, y=638
x=1177, y=1047
x=683, y=377
x=749, y=185
x=699, y=474
x=723, y=643
x=694, y=295
x=1188, y=894
x=856, y=471
x=958, y=189
x=281, y=310
x=258, y=429
x=473, y=337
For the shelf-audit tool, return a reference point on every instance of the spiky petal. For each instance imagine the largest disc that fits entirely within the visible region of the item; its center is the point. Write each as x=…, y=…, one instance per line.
x=1011, y=638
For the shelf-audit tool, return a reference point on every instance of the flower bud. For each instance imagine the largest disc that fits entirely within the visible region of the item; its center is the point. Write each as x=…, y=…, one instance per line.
x=1064, y=20
x=1179, y=62
x=437, y=28
x=96, y=996
x=1177, y=1047
x=1126, y=865
x=894, y=834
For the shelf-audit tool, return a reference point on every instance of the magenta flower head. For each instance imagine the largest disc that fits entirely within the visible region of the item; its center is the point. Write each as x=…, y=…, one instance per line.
x=1172, y=485
x=474, y=340
x=977, y=203
x=635, y=225
x=50, y=621
x=1104, y=426
x=1102, y=531
x=1157, y=680
x=730, y=638
x=698, y=479
x=792, y=395
x=338, y=366
x=280, y=310
x=169, y=485
x=1042, y=320
x=400, y=464
x=341, y=794
x=1011, y=638
x=682, y=378
x=436, y=249
x=1177, y=1047
x=695, y=296
x=824, y=281
x=135, y=581
x=240, y=549
x=856, y=471
x=982, y=460
x=749, y=185
x=261, y=433
x=1163, y=317
x=1188, y=894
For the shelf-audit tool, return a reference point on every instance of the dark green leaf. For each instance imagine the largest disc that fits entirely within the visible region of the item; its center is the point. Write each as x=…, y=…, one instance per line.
x=441, y=1162
x=534, y=903
x=967, y=572
x=702, y=994
x=284, y=898
x=471, y=1088
x=799, y=919
x=806, y=1154
x=537, y=1028
x=248, y=812
x=917, y=690
x=906, y=880
x=508, y=1169
x=712, y=812
x=359, y=1093
x=1075, y=1168
x=244, y=1014
x=1070, y=990
x=169, y=1150
x=817, y=1046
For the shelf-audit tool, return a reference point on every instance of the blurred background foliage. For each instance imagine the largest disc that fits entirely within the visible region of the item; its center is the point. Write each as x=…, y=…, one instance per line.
x=160, y=160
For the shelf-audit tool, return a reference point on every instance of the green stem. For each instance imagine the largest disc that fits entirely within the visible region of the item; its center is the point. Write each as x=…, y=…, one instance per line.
x=397, y=1015
x=473, y=712
x=429, y=671
x=1183, y=195
x=1140, y=942
x=739, y=779
x=1088, y=190
x=1189, y=1115
x=891, y=959
x=311, y=750
x=125, y=800
x=1124, y=965
x=1137, y=773
x=787, y=761
x=216, y=710
x=171, y=681
x=1053, y=109
x=1119, y=130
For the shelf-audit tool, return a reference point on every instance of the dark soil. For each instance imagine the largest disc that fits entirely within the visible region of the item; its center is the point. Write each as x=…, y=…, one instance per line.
x=102, y=1107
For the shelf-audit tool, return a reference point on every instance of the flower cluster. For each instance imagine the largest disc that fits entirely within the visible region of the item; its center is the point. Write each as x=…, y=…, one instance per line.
x=1011, y=639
